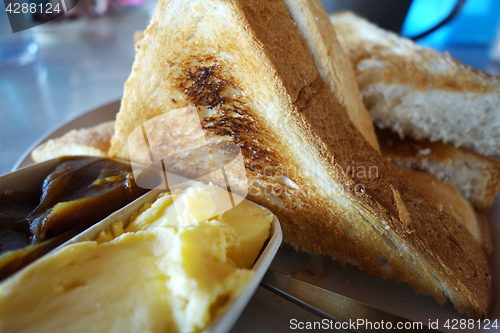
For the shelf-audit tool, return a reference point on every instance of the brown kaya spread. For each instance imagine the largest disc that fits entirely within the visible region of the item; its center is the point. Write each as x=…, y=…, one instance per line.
x=80, y=192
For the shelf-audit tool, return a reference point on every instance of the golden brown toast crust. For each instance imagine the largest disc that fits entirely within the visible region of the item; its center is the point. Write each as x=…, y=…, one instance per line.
x=418, y=91
x=408, y=151
x=94, y=141
x=333, y=64
x=266, y=50
x=464, y=78
x=446, y=198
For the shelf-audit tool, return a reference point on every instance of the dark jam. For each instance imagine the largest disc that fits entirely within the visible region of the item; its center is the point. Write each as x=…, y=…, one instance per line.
x=80, y=192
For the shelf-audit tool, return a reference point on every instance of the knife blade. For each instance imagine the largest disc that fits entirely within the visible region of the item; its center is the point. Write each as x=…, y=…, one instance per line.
x=330, y=305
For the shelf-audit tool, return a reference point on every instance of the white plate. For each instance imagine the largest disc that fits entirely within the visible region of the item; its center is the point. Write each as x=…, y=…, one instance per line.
x=265, y=312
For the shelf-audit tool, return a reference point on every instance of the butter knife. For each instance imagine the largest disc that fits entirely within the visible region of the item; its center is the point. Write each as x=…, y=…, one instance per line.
x=330, y=305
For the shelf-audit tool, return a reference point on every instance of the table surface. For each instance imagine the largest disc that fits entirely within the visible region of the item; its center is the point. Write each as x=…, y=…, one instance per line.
x=86, y=67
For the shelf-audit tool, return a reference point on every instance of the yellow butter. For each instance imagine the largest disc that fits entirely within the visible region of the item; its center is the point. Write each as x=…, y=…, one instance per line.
x=166, y=272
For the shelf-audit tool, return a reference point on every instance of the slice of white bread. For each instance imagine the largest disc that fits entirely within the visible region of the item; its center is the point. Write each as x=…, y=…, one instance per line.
x=476, y=176
x=450, y=201
x=333, y=64
x=92, y=141
x=420, y=92
x=247, y=69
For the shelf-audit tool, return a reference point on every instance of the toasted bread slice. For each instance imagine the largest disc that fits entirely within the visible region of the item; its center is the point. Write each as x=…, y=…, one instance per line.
x=420, y=92
x=476, y=176
x=92, y=141
x=331, y=60
x=450, y=201
x=333, y=64
x=250, y=74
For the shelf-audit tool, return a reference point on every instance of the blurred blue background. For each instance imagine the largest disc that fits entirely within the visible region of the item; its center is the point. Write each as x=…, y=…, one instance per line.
x=476, y=24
